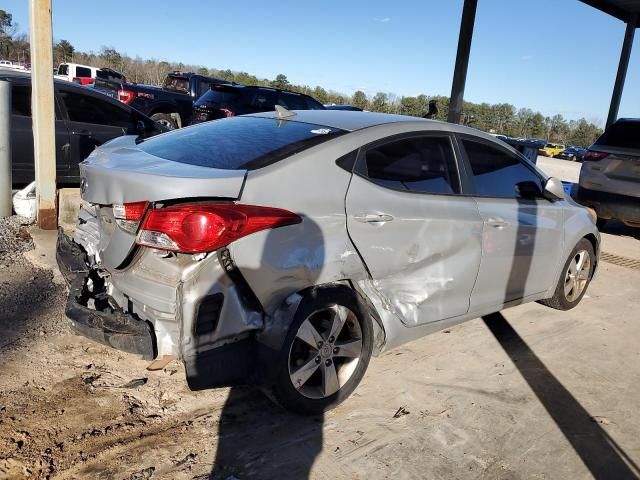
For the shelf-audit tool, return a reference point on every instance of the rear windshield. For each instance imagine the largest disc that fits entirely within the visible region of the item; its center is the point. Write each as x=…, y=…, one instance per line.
x=238, y=143
x=179, y=84
x=621, y=134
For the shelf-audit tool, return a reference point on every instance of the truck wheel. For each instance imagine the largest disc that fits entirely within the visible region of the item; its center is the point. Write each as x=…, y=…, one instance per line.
x=325, y=354
x=165, y=120
x=575, y=278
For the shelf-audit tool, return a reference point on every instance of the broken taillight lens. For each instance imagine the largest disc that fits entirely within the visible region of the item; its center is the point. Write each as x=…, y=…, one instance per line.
x=200, y=228
x=126, y=96
x=128, y=215
x=591, y=156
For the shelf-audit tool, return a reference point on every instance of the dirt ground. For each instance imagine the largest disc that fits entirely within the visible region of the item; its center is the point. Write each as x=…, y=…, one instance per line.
x=535, y=393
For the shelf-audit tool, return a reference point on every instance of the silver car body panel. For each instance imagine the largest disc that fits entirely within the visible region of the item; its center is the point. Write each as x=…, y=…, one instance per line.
x=423, y=280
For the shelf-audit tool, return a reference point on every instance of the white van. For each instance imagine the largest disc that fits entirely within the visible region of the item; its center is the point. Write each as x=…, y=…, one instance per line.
x=68, y=71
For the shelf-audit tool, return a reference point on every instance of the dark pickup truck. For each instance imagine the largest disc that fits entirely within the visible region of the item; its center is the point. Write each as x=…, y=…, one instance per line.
x=172, y=104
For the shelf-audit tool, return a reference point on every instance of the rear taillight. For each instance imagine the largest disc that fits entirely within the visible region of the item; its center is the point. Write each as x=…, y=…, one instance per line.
x=128, y=216
x=126, y=96
x=199, y=228
x=227, y=113
x=592, y=156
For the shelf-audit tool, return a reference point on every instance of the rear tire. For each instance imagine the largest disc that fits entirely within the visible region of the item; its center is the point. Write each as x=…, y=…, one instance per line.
x=313, y=379
x=165, y=120
x=574, y=279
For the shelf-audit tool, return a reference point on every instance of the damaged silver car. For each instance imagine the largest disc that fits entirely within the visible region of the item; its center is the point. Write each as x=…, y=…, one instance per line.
x=285, y=249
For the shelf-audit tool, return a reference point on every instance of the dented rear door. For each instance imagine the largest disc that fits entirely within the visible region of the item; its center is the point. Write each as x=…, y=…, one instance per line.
x=419, y=238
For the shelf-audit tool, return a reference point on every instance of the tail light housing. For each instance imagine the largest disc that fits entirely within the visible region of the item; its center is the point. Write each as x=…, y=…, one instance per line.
x=591, y=156
x=226, y=112
x=126, y=96
x=128, y=215
x=200, y=228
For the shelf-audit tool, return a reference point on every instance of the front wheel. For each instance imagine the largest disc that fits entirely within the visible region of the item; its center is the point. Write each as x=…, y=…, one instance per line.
x=325, y=354
x=575, y=278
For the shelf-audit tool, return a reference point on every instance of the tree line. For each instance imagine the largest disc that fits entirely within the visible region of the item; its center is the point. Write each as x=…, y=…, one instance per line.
x=502, y=118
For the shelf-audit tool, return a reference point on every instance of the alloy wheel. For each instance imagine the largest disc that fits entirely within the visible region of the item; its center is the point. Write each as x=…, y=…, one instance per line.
x=325, y=352
x=577, y=276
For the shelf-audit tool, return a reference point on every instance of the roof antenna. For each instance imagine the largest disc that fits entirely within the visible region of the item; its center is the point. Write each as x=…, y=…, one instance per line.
x=283, y=113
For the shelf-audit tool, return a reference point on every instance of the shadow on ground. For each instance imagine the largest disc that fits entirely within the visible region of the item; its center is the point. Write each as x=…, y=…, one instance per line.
x=251, y=426
x=600, y=453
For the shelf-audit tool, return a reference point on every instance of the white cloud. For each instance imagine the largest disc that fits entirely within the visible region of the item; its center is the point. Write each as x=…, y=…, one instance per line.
x=382, y=20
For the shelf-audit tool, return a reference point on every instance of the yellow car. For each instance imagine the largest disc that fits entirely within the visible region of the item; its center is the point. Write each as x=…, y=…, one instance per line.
x=552, y=149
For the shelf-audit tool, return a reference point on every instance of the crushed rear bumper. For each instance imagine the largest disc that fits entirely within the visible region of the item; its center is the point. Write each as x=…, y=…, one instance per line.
x=112, y=326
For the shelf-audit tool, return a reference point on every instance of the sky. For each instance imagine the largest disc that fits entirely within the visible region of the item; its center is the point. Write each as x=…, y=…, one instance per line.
x=553, y=56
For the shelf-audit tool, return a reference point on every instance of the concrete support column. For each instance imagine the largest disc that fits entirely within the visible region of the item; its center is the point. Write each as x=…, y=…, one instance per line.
x=625, y=54
x=462, y=60
x=5, y=149
x=43, y=111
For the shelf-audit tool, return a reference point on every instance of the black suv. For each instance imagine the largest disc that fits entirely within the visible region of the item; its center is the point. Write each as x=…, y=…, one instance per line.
x=231, y=100
x=84, y=120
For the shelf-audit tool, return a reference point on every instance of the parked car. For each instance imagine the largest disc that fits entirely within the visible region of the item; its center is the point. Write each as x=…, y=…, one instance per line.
x=230, y=100
x=69, y=71
x=285, y=249
x=551, y=149
x=573, y=154
x=84, y=120
x=610, y=174
x=171, y=105
x=334, y=106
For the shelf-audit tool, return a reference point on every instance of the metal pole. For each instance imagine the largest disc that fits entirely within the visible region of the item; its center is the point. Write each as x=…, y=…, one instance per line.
x=625, y=53
x=5, y=148
x=462, y=60
x=43, y=112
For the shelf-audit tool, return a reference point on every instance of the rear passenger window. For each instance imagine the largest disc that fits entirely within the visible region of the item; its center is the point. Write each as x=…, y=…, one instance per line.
x=496, y=172
x=264, y=101
x=83, y=72
x=89, y=109
x=291, y=101
x=418, y=164
x=21, y=100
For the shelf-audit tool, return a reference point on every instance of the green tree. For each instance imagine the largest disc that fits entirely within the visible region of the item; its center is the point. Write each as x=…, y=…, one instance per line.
x=281, y=81
x=359, y=99
x=65, y=50
x=6, y=32
x=203, y=71
x=111, y=57
x=380, y=102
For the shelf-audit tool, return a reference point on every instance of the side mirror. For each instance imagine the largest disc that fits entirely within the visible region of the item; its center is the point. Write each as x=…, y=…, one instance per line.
x=553, y=189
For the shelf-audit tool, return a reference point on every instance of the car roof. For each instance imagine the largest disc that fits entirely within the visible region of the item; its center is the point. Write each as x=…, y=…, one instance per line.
x=237, y=86
x=345, y=119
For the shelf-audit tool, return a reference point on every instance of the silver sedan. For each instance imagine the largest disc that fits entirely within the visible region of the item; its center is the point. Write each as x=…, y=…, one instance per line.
x=285, y=249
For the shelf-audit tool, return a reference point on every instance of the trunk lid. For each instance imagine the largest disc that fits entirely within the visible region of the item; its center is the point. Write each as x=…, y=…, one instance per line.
x=120, y=173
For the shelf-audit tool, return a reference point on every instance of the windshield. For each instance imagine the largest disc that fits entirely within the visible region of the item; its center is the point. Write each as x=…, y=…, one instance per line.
x=179, y=84
x=238, y=143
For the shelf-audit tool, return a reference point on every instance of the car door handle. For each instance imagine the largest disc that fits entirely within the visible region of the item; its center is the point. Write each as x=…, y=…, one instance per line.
x=373, y=218
x=496, y=222
x=84, y=133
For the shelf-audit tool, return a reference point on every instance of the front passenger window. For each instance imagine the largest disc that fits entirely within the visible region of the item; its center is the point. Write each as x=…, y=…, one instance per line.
x=498, y=173
x=418, y=164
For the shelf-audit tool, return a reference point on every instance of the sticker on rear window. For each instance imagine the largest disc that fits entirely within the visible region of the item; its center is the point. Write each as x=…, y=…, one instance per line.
x=321, y=131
